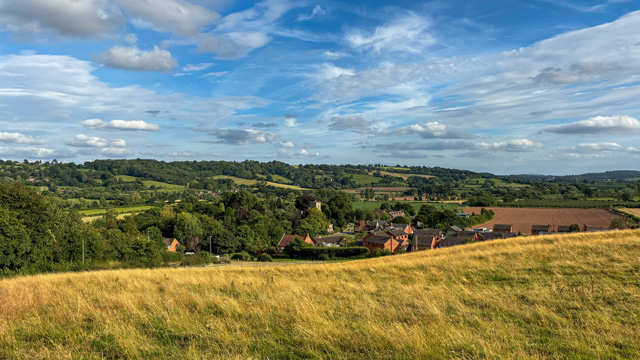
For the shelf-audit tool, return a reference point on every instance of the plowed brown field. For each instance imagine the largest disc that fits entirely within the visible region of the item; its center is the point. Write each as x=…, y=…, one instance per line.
x=523, y=219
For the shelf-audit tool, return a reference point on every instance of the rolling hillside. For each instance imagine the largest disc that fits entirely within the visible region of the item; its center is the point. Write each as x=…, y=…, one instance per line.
x=575, y=296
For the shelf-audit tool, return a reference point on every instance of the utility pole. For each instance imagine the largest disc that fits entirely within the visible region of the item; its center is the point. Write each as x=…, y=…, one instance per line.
x=210, y=253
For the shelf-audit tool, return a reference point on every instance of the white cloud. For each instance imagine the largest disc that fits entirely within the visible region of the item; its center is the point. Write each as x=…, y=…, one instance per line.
x=80, y=19
x=18, y=138
x=316, y=12
x=290, y=120
x=241, y=137
x=177, y=16
x=328, y=71
x=510, y=145
x=405, y=33
x=196, y=67
x=286, y=144
x=120, y=124
x=26, y=152
x=214, y=74
x=232, y=45
x=92, y=141
x=297, y=153
x=115, y=152
x=134, y=59
x=130, y=38
x=618, y=124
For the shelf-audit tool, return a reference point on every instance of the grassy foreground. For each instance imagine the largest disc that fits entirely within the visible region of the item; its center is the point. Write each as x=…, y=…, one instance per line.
x=571, y=296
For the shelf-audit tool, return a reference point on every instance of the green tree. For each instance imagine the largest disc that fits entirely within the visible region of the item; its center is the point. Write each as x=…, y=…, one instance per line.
x=314, y=224
x=14, y=243
x=187, y=226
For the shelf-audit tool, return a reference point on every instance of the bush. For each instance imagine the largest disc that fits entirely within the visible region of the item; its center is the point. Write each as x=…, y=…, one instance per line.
x=172, y=257
x=265, y=258
x=241, y=256
x=317, y=252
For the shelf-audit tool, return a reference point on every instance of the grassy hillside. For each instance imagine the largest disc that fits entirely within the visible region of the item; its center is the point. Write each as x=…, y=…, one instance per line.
x=572, y=296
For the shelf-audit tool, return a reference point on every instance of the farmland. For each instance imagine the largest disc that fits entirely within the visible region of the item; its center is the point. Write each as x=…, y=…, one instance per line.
x=633, y=212
x=522, y=218
x=374, y=205
x=404, y=176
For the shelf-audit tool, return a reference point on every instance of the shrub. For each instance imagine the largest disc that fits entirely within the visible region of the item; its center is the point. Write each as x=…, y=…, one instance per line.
x=265, y=258
x=241, y=256
x=172, y=257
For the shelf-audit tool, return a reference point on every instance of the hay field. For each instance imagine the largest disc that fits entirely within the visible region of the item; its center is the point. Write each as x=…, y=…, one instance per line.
x=570, y=296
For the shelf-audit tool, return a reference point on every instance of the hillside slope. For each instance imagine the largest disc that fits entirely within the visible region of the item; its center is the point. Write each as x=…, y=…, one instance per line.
x=575, y=296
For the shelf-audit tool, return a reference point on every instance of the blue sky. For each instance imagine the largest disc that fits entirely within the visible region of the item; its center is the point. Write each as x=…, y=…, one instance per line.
x=541, y=86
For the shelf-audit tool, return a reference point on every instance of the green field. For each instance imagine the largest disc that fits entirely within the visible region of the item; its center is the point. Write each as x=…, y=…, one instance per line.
x=277, y=179
x=126, y=178
x=120, y=210
x=163, y=186
x=249, y=182
x=365, y=179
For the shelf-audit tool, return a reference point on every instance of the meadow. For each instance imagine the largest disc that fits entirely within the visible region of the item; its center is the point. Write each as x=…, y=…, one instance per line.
x=570, y=296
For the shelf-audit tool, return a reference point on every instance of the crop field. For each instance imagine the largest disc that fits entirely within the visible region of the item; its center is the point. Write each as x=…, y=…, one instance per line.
x=549, y=297
x=120, y=210
x=630, y=211
x=523, y=218
x=404, y=176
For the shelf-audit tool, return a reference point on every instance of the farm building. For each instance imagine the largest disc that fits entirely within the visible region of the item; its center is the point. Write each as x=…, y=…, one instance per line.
x=503, y=228
x=537, y=229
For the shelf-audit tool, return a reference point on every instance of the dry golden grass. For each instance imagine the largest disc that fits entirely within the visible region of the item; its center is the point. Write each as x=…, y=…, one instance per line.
x=631, y=211
x=570, y=296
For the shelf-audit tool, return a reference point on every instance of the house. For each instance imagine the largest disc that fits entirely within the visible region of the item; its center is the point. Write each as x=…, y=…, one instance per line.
x=286, y=239
x=398, y=234
x=464, y=215
x=424, y=239
x=451, y=230
x=434, y=232
x=587, y=228
x=395, y=214
x=403, y=227
x=172, y=244
x=378, y=213
x=537, y=229
x=330, y=240
x=453, y=240
x=503, y=228
x=564, y=228
x=380, y=240
x=490, y=235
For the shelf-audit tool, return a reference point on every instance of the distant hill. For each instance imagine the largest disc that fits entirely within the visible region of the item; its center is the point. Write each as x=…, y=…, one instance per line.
x=531, y=297
x=617, y=175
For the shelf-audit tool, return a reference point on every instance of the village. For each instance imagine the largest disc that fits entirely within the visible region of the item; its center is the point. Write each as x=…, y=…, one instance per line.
x=385, y=235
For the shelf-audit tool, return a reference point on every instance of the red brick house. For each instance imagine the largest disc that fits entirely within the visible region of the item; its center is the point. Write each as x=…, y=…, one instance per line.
x=404, y=227
x=286, y=239
x=380, y=240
